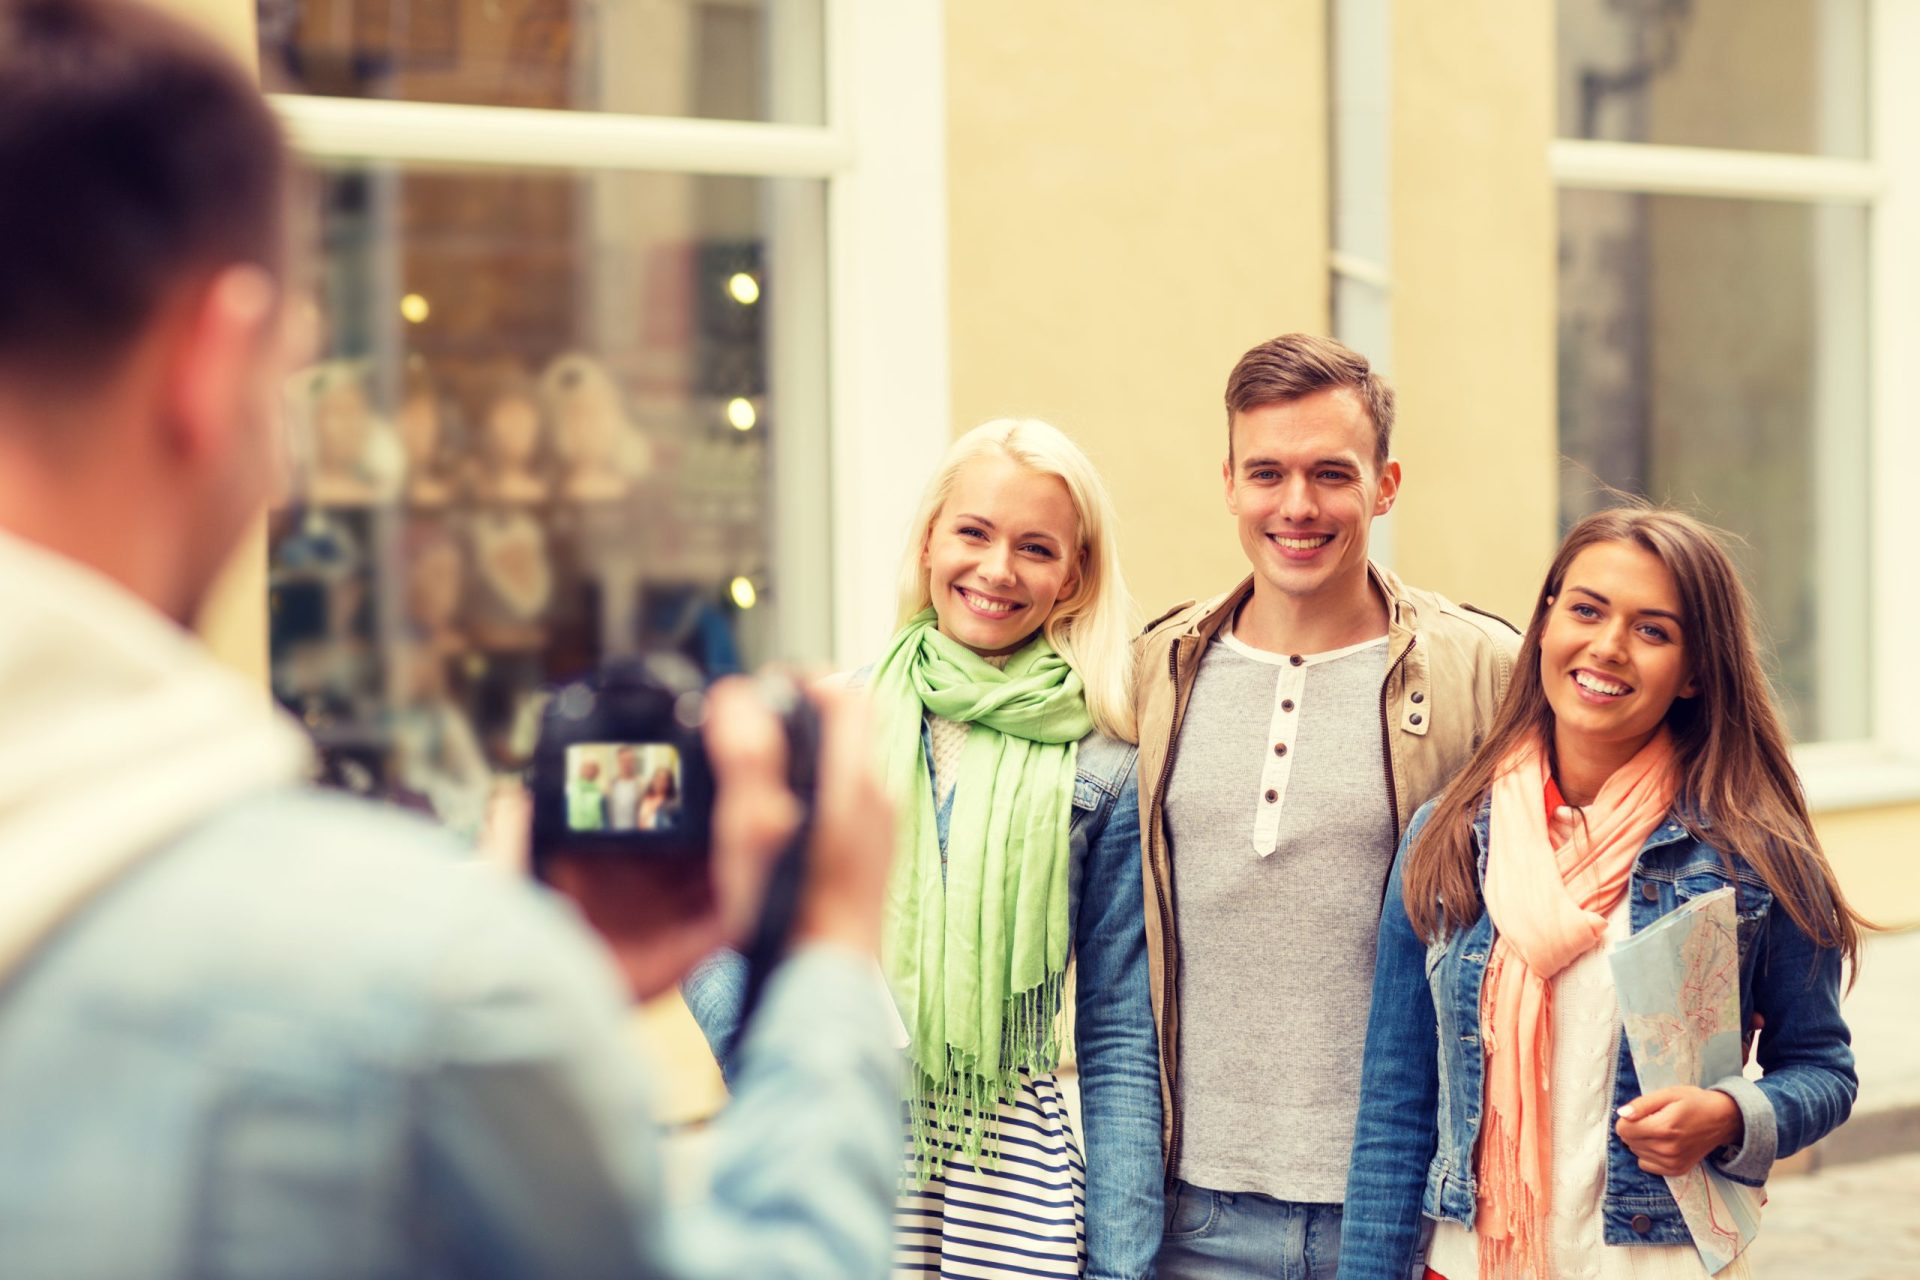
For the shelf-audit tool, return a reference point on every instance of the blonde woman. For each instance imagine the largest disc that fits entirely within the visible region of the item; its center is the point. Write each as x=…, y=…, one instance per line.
x=1003, y=706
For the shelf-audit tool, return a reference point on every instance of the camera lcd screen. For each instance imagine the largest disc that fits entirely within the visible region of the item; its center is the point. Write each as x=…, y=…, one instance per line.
x=618, y=788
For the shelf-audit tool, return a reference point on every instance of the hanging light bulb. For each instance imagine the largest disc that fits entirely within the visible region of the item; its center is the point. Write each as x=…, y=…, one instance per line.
x=744, y=289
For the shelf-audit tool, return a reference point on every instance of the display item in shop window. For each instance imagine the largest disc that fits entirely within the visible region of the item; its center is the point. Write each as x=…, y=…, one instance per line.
x=506, y=693
x=356, y=461
x=436, y=581
x=437, y=756
x=315, y=544
x=601, y=452
x=510, y=468
x=601, y=553
x=324, y=684
x=690, y=620
x=513, y=580
x=319, y=584
x=423, y=436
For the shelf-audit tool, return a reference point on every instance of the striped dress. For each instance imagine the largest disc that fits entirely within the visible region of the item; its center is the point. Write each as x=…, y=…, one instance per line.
x=1023, y=1214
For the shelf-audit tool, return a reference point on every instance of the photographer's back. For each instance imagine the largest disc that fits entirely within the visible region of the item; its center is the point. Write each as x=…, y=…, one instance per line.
x=261, y=1051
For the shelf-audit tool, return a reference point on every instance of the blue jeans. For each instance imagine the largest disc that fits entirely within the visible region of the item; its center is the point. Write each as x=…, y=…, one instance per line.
x=1238, y=1235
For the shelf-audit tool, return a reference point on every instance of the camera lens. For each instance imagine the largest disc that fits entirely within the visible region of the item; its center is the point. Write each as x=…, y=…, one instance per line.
x=576, y=702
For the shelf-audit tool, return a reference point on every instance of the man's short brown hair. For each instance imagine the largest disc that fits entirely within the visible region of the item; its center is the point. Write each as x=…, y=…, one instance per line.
x=1295, y=365
x=134, y=152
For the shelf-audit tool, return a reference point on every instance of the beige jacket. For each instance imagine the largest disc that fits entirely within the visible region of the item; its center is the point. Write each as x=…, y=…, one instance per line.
x=1448, y=667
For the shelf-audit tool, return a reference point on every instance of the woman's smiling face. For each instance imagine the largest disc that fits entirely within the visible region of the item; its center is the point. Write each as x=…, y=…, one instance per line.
x=1613, y=653
x=1003, y=549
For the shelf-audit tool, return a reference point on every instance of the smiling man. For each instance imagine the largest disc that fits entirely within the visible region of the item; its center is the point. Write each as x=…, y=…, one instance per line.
x=1288, y=730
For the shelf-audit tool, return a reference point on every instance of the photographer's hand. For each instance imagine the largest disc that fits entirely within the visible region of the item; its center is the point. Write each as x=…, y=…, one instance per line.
x=754, y=813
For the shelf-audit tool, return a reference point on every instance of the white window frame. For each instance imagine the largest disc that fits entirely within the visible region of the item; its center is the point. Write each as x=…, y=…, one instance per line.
x=882, y=155
x=1884, y=768
x=1359, y=262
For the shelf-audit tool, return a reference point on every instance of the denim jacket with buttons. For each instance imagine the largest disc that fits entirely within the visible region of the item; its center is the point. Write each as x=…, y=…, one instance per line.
x=1116, y=1052
x=1420, y=1111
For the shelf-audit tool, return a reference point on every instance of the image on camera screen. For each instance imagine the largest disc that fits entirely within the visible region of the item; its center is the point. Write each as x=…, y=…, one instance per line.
x=616, y=787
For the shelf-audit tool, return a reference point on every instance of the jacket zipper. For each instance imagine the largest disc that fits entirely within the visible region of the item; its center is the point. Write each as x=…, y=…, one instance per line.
x=1386, y=759
x=1171, y=958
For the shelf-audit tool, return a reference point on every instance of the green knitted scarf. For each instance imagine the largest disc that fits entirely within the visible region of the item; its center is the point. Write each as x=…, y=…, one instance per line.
x=975, y=950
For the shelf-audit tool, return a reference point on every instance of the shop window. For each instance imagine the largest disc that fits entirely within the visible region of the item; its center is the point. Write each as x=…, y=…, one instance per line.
x=543, y=431
x=1761, y=75
x=1716, y=342
x=708, y=59
x=1711, y=356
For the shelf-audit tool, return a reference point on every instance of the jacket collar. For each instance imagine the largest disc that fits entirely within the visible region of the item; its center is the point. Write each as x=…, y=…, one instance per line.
x=1669, y=831
x=1403, y=615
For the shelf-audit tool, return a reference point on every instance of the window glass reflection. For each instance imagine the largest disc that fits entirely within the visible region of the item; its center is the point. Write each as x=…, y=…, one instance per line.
x=1713, y=354
x=1762, y=75
x=712, y=59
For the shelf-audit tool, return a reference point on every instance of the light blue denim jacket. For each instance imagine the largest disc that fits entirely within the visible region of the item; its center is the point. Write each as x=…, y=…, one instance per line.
x=299, y=1043
x=1114, y=1039
x=1420, y=1111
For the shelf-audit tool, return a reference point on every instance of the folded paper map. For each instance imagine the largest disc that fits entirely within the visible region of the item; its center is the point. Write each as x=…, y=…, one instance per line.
x=1679, y=989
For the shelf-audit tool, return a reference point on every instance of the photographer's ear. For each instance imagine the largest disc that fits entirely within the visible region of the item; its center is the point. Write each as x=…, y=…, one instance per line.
x=224, y=361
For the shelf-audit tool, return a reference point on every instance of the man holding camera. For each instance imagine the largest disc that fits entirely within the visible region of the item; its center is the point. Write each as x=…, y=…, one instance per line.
x=246, y=1028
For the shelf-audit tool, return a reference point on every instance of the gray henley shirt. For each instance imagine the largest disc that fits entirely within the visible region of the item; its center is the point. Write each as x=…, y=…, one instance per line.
x=1282, y=836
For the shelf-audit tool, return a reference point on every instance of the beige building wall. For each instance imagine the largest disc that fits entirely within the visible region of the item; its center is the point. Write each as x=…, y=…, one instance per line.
x=1133, y=204
x=1473, y=299
x=1872, y=854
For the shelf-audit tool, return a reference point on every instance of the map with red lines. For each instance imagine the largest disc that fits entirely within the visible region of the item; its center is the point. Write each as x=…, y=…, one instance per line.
x=1678, y=982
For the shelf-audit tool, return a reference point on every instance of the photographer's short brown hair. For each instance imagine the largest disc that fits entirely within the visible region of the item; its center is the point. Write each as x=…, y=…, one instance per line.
x=1296, y=365
x=134, y=153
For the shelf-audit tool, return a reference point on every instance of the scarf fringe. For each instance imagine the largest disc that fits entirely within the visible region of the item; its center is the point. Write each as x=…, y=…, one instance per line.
x=958, y=1114
x=1511, y=1236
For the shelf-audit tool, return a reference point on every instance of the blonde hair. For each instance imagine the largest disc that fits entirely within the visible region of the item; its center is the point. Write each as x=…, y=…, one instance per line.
x=1092, y=627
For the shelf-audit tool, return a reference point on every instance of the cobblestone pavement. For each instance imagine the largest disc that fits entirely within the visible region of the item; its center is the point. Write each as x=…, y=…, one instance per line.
x=1847, y=1222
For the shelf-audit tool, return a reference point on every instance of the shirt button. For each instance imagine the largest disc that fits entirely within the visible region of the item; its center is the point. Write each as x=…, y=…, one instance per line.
x=1418, y=696
x=1296, y=659
x=1272, y=795
x=1286, y=704
x=1279, y=748
x=1641, y=1224
x=1648, y=892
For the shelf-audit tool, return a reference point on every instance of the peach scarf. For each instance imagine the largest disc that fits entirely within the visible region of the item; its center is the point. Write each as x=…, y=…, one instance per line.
x=1549, y=907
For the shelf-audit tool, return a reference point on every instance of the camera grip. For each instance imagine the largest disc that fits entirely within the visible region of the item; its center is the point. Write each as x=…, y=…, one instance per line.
x=787, y=880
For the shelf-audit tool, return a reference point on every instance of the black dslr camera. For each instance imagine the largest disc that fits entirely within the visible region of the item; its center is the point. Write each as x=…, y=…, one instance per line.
x=620, y=771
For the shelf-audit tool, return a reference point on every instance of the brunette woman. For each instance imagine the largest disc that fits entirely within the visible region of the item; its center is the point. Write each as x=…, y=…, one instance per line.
x=1637, y=763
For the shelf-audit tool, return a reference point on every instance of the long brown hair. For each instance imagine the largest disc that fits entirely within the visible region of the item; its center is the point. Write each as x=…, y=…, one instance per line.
x=1732, y=751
